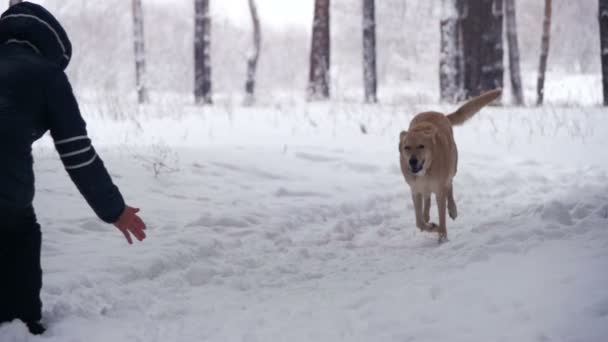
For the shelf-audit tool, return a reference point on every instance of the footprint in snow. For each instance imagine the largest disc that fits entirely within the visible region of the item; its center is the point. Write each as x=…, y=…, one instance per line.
x=222, y=222
x=362, y=167
x=197, y=275
x=599, y=308
x=315, y=157
x=556, y=212
x=282, y=192
x=252, y=171
x=93, y=226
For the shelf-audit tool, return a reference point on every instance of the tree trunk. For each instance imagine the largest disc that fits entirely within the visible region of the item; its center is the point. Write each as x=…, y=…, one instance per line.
x=450, y=61
x=202, y=58
x=140, y=55
x=544, y=54
x=252, y=61
x=13, y=2
x=603, y=17
x=515, y=72
x=318, y=86
x=482, y=26
x=369, y=52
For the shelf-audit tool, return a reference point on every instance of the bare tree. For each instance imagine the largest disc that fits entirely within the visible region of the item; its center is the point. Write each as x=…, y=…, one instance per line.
x=603, y=18
x=202, y=53
x=252, y=61
x=451, y=68
x=370, y=79
x=514, y=69
x=140, y=54
x=482, y=28
x=544, y=53
x=318, y=84
x=13, y=2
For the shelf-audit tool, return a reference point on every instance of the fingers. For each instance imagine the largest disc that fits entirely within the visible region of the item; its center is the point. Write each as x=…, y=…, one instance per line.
x=127, y=236
x=137, y=229
x=140, y=222
x=139, y=234
x=132, y=224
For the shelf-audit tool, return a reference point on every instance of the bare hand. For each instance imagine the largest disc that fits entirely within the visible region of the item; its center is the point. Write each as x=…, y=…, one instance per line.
x=130, y=223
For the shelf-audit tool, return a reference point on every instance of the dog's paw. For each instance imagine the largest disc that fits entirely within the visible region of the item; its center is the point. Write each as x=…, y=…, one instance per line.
x=428, y=227
x=443, y=234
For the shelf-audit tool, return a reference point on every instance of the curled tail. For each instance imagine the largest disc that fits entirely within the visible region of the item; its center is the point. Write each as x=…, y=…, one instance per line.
x=469, y=109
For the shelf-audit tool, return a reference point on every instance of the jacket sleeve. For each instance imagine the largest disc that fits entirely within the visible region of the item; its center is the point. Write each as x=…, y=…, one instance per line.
x=85, y=167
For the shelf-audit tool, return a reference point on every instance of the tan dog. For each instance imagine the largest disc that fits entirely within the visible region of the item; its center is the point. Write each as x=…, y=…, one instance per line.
x=429, y=158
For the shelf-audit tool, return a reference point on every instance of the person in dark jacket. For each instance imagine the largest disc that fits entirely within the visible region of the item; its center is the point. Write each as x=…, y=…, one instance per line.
x=36, y=97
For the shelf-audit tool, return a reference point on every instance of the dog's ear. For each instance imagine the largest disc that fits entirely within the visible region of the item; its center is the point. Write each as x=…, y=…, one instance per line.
x=401, y=137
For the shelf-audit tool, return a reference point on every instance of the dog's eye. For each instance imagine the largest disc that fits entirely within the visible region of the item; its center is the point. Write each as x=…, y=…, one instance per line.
x=407, y=148
x=420, y=147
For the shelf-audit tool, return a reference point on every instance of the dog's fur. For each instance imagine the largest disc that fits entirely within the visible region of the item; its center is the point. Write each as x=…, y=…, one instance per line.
x=429, y=158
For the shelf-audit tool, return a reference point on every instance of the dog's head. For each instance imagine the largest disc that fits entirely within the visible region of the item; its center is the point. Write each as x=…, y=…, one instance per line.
x=416, y=148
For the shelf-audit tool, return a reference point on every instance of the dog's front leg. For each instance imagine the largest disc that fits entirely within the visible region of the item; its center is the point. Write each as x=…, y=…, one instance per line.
x=417, y=199
x=441, y=209
x=427, y=208
x=421, y=223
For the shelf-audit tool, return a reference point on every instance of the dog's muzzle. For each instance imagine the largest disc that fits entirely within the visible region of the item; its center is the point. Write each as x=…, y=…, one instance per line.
x=415, y=166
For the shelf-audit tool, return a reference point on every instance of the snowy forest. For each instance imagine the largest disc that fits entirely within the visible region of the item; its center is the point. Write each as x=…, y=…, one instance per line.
x=263, y=142
x=411, y=40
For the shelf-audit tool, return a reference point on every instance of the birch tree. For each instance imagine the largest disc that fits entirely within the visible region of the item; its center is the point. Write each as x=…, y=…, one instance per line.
x=544, y=53
x=603, y=18
x=450, y=61
x=515, y=73
x=318, y=84
x=140, y=55
x=202, y=53
x=252, y=61
x=370, y=79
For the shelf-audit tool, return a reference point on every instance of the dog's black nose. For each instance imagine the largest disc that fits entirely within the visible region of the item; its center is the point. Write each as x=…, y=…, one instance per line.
x=413, y=162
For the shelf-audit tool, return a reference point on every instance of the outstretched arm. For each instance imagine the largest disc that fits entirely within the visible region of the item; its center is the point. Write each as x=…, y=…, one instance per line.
x=85, y=167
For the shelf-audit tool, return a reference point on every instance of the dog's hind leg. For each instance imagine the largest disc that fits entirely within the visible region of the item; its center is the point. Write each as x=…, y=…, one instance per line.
x=452, y=210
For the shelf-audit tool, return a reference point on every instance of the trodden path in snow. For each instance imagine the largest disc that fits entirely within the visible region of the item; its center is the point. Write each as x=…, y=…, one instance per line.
x=311, y=243
x=314, y=238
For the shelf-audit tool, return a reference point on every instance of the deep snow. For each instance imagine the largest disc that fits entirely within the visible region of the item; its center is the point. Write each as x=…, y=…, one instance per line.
x=290, y=224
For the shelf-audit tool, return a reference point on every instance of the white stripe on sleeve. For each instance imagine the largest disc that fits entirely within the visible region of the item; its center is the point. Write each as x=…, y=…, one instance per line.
x=78, y=166
x=63, y=141
x=65, y=155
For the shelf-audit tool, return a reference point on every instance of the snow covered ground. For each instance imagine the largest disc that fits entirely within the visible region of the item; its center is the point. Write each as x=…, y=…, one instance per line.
x=287, y=223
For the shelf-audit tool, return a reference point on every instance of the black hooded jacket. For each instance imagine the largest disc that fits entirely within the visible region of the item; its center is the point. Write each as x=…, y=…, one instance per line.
x=36, y=96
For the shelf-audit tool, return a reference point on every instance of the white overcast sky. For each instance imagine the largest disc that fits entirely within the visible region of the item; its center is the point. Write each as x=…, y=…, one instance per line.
x=277, y=13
